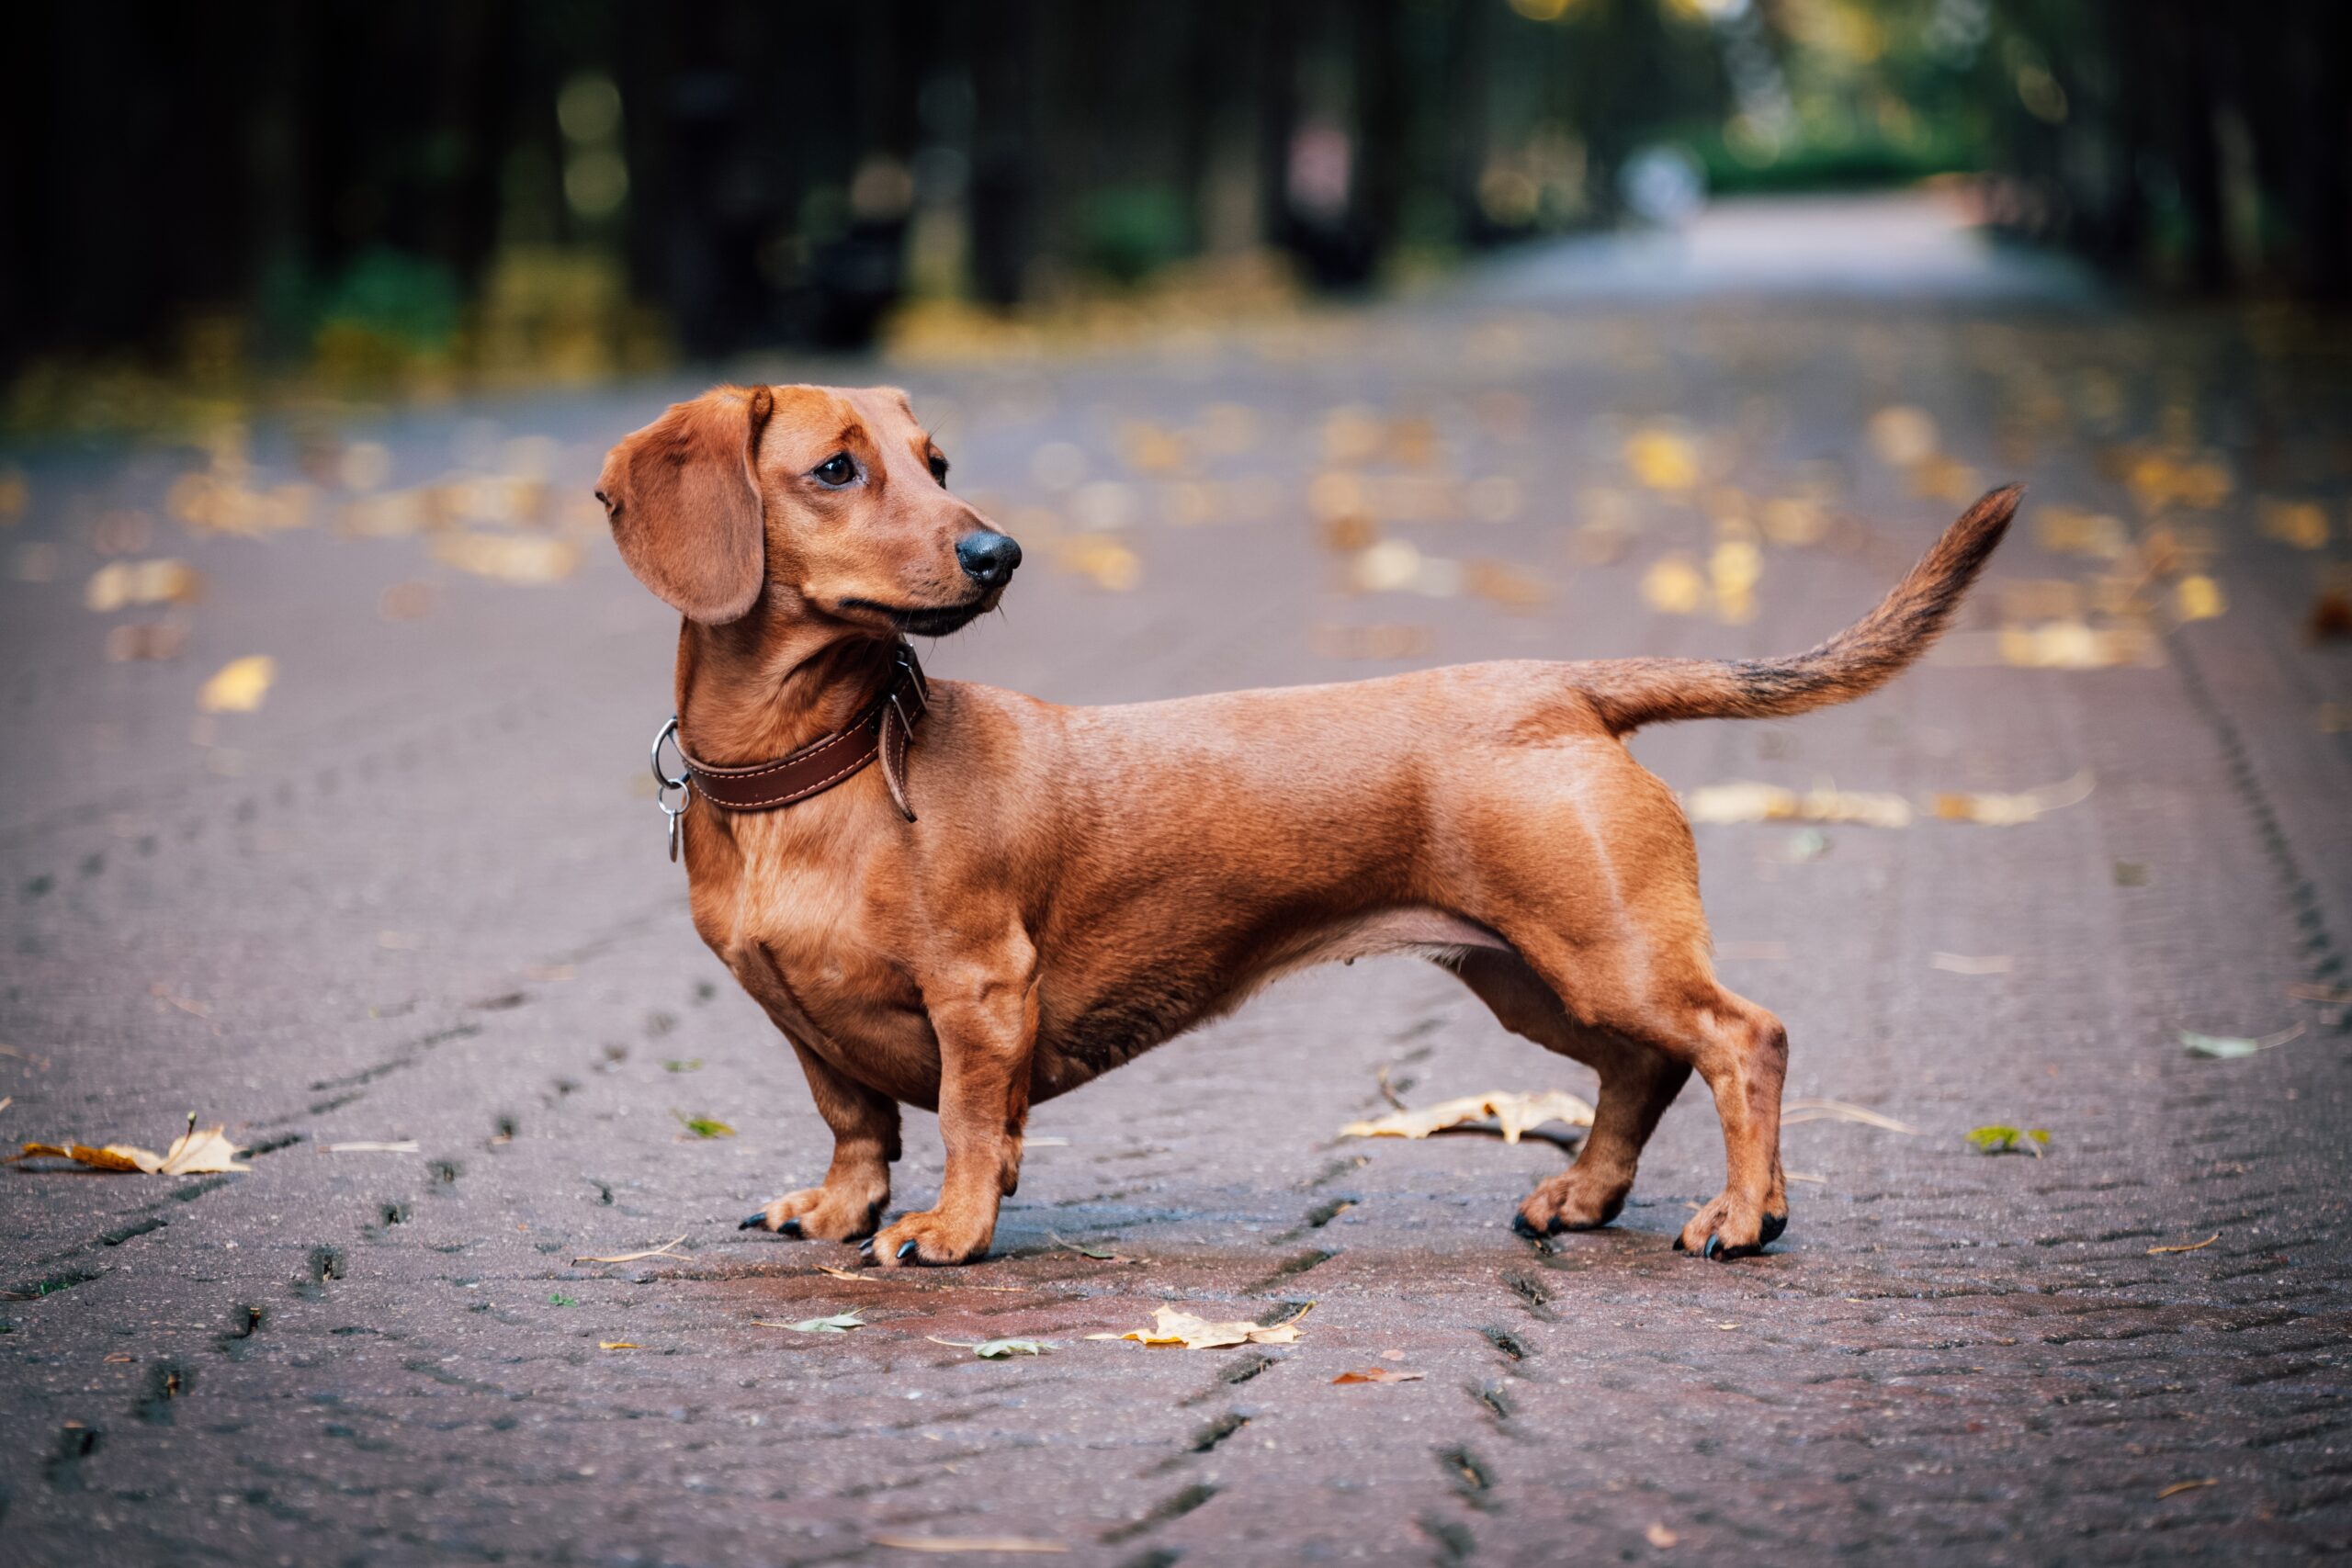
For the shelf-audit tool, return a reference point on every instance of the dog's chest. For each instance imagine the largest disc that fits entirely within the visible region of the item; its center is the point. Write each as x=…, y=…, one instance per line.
x=834, y=981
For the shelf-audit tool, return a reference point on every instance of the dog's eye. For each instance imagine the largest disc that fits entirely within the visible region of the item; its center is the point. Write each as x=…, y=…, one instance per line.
x=836, y=471
x=939, y=467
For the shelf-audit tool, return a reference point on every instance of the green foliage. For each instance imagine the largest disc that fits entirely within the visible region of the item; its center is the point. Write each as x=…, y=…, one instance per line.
x=2008, y=1140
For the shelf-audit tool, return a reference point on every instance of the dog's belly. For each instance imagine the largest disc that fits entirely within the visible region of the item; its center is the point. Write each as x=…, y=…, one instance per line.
x=1082, y=1036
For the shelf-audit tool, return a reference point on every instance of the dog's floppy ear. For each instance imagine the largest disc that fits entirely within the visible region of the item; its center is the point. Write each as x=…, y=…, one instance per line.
x=683, y=497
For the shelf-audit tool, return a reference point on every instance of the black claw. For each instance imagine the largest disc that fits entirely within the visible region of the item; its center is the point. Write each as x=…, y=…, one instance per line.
x=866, y=1246
x=790, y=1228
x=1677, y=1243
x=904, y=1247
x=1715, y=1245
x=1519, y=1222
x=1773, y=1226
x=753, y=1221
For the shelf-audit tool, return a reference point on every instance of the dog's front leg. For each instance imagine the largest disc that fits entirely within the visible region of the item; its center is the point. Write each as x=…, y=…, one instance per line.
x=857, y=1183
x=987, y=1028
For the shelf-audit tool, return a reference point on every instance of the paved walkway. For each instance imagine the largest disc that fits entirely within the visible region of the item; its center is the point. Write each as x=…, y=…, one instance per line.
x=419, y=895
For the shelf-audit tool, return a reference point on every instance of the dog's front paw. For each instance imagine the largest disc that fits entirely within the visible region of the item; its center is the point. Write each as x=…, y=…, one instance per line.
x=1575, y=1199
x=819, y=1213
x=934, y=1237
x=1728, y=1228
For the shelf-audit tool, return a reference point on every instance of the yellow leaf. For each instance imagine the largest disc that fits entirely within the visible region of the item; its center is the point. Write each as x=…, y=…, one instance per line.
x=200, y=1151
x=1513, y=1113
x=1661, y=460
x=616, y=1345
x=2198, y=598
x=1171, y=1326
x=1378, y=1374
x=1673, y=585
x=239, y=686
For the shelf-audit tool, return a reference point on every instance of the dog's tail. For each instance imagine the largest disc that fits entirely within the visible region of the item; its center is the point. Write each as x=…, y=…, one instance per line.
x=1630, y=692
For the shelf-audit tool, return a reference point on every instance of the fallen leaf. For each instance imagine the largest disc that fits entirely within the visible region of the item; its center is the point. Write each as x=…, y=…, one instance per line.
x=1961, y=963
x=997, y=1349
x=2193, y=1247
x=2010, y=810
x=689, y=1065
x=704, y=1126
x=197, y=1152
x=1513, y=1113
x=968, y=1543
x=2198, y=598
x=660, y=1251
x=2229, y=1047
x=1672, y=585
x=1171, y=1326
x=850, y=1274
x=2003, y=1140
x=1378, y=1374
x=239, y=685
x=122, y=583
x=1798, y=1112
x=508, y=558
x=1745, y=801
x=400, y=1147
x=1661, y=458
x=1098, y=1254
x=557, y=1298
x=1657, y=1535
x=840, y=1323
x=2177, y=1487
x=615, y=1345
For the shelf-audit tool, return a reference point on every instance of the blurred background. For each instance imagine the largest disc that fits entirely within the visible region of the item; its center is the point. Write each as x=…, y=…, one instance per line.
x=368, y=201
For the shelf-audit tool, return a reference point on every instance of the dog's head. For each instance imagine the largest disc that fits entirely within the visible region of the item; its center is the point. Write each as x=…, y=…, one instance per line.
x=830, y=503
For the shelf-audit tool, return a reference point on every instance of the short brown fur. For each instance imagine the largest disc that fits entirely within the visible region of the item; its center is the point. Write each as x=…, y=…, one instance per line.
x=1082, y=884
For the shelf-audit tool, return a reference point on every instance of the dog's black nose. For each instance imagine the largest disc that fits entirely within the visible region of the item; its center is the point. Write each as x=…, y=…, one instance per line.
x=988, y=558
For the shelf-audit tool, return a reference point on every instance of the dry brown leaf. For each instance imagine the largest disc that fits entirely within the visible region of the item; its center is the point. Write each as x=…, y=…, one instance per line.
x=197, y=1152
x=1514, y=1113
x=660, y=1251
x=1378, y=1374
x=1797, y=1112
x=968, y=1543
x=2177, y=1487
x=1171, y=1326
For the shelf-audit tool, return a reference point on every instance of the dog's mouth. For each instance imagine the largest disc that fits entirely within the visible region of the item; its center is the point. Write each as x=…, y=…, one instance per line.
x=923, y=621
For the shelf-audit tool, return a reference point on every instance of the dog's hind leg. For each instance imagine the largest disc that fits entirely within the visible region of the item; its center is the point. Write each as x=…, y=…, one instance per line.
x=1674, y=1010
x=857, y=1184
x=1636, y=1085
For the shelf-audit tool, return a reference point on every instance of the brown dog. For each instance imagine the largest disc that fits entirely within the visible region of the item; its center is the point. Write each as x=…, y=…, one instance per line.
x=1063, y=888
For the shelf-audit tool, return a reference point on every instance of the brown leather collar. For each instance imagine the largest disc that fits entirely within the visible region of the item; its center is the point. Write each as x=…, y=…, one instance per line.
x=882, y=731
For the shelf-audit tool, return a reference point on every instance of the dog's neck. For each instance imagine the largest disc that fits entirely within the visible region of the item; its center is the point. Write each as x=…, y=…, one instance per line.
x=752, y=691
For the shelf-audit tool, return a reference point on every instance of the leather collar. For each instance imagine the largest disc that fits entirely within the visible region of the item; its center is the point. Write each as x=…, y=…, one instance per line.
x=883, y=731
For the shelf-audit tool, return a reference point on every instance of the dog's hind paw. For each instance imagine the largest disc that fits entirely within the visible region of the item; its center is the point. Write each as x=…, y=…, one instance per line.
x=1718, y=1234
